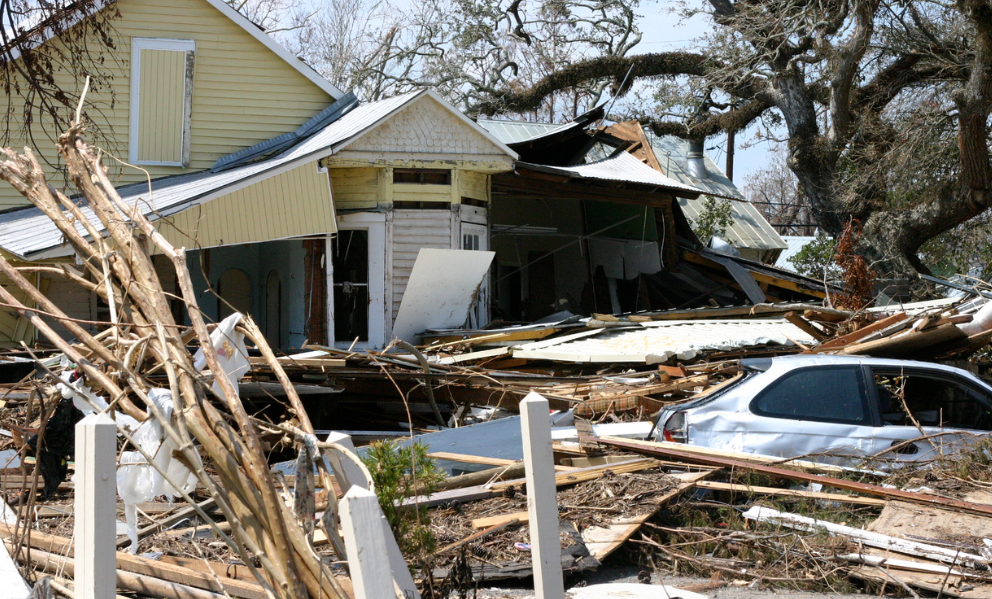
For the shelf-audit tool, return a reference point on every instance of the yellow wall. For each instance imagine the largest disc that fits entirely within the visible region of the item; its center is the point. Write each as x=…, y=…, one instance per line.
x=367, y=187
x=296, y=202
x=243, y=93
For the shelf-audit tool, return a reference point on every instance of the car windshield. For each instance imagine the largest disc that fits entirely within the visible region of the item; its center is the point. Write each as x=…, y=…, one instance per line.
x=931, y=400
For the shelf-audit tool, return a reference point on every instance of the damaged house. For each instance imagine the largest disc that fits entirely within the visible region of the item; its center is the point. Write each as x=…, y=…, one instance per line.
x=593, y=211
x=289, y=194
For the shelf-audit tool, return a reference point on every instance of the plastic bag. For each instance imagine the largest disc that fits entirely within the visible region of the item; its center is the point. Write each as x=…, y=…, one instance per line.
x=231, y=351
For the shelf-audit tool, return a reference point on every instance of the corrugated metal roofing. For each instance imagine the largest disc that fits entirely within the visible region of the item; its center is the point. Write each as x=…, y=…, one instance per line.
x=28, y=232
x=511, y=132
x=656, y=342
x=749, y=230
x=622, y=167
x=672, y=153
x=795, y=244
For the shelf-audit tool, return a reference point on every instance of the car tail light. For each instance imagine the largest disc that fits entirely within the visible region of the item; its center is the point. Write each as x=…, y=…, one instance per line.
x=675, y=430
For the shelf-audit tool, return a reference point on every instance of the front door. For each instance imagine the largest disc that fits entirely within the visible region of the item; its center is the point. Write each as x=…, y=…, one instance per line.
x=357, y=259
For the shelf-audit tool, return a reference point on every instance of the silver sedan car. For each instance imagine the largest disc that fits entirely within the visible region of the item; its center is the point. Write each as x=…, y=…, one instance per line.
x=836, y=407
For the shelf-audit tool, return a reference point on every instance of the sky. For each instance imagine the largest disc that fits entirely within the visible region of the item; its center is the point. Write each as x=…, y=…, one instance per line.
x=662, y=31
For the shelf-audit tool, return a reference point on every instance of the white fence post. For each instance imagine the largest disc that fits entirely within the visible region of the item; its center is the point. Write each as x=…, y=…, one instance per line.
x=96, y=506
x=542, y=498
x=348, y=474
x=365, y=544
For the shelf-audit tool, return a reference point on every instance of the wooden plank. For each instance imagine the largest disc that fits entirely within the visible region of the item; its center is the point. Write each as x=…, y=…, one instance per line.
x=847, y=485
x=804, y=325
x=717, y=486
x=475, y=537
x=148, y=567
x=582, y=475
x=522, y=517
x=601, y=542
x=843, y=340
x=179, y=516
x=469, y=459
x=814, y=467
x=906, y=343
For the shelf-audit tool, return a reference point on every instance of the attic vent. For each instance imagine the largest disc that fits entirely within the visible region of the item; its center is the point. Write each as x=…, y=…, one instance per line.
x=422, y=176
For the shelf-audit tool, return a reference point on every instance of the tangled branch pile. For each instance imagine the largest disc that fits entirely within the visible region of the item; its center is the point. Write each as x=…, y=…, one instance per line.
x=145, y=339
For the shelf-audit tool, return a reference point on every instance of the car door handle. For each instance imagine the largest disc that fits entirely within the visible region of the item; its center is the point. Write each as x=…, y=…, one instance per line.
x=908, y=448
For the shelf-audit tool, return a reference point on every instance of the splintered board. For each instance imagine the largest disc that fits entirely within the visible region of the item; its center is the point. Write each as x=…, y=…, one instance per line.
x=602, y=541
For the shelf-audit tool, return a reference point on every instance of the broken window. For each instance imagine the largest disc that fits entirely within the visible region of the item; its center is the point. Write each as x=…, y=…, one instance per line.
x=822, y=394
x=161, y=101
x=351, y=285
x=422, y=176
x=932, y=400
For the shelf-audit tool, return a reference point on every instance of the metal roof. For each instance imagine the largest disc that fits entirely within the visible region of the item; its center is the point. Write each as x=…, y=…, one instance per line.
x=656, y=342
x=622, y=167
x=795, y=244
x=511, y=132
x=29, y=234
x=749, y=229
x=672, y=153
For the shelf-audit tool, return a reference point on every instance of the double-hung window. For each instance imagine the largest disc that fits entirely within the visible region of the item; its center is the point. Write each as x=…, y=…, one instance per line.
x=161, y=101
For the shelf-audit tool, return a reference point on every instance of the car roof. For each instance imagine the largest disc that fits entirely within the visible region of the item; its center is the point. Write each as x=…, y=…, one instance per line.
x=801, y=360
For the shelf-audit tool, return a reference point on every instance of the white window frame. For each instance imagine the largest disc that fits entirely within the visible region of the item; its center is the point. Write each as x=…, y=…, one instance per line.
x=153, y=43
x=375, y=224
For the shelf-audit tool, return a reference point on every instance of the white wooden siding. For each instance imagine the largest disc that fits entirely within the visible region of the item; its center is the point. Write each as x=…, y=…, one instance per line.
x=412, y=231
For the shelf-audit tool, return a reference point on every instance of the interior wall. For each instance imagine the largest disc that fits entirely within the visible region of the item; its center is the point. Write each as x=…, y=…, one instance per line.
x=569, y=261
x=257, y=260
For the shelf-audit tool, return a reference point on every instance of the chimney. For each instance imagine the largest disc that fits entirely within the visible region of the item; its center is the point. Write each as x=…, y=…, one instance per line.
x=694, y=163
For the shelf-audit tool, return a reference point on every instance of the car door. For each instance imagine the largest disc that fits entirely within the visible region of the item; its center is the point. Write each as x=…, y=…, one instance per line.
x=809, y=410
x=918, y=402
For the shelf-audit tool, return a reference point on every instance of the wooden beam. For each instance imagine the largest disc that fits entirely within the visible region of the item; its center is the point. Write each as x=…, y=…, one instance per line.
x=843, y=340
x=946, y=503
x=149, y=567
x=749, y=489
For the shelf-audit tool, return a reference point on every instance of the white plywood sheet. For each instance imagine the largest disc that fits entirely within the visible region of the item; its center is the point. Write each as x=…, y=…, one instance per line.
x=440, y=291
x=12, y=586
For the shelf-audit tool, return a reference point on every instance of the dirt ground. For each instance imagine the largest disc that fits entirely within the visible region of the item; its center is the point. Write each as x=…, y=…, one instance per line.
x=621, y=574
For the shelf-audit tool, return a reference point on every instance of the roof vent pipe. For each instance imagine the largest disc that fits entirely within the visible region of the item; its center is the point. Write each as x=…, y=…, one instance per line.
x=694, y=163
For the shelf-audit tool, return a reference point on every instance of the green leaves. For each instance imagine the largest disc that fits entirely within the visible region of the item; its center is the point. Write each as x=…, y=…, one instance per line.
x=400, y=472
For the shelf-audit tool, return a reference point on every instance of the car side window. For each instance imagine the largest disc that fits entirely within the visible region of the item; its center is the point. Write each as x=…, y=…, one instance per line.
x=822, y=394
x=931, y=400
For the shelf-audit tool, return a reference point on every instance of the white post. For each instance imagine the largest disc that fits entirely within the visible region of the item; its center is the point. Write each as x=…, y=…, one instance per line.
x=348, y=474
x=346, y=471
x=96, y=504
x=365, y=544
x=542, y=499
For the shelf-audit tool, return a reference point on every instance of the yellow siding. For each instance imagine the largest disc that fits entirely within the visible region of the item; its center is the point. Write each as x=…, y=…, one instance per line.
x=354, y=187
x=296, y=202
x=409, y=192
x=160, y=111
x=361, y=188
x=14, y=328
x=243, y=93
x=474, y=185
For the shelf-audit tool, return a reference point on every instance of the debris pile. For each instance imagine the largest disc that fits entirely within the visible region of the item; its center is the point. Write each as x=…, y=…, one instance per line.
x=205, y=413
